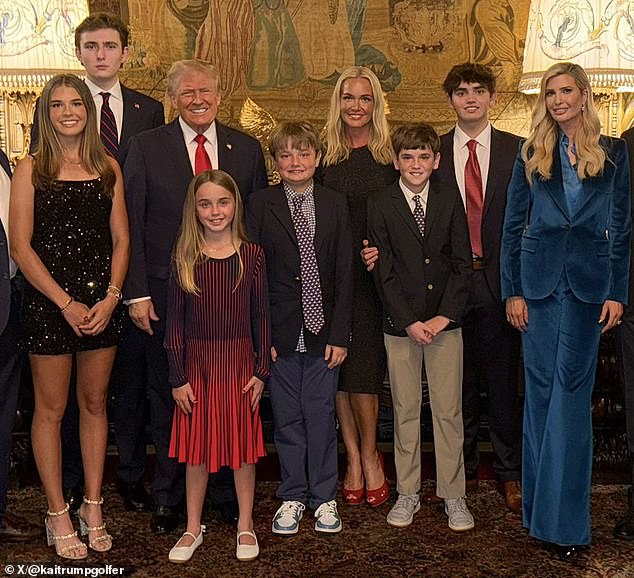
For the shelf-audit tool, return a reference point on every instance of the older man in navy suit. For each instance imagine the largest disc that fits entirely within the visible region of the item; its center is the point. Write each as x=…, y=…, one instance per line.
x=159, y=166
x=12, y=527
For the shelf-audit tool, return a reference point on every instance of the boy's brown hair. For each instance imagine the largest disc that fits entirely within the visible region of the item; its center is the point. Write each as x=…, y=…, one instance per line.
x=415, y=135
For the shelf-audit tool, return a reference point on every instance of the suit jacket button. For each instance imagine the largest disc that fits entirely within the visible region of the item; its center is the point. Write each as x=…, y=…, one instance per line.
x=427, y=261
x=430, y=286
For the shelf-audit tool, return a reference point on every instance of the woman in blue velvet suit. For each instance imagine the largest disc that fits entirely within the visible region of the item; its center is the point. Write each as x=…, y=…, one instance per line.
x=565, y=259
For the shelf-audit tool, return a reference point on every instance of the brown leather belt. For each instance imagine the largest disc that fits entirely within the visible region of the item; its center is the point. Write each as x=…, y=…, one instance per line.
x=477, y=264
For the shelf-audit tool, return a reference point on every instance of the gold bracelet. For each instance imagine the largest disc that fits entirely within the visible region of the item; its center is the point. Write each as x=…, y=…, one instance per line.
x=115, y=292
x=62, y=309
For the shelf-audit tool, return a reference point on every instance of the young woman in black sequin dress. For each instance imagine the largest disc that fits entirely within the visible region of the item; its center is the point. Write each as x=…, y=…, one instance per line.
x=69, y=237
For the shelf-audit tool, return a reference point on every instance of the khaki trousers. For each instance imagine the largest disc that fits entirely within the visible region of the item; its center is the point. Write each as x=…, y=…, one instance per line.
x=443, y=364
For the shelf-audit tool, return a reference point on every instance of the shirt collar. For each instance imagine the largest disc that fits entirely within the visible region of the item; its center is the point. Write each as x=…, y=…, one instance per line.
x=409, y=195
x=114, y=90
x=483, y=139
x=190, y=134
x=292, y=193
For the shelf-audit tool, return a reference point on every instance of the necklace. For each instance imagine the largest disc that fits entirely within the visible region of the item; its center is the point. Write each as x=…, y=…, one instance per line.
x=210, y=250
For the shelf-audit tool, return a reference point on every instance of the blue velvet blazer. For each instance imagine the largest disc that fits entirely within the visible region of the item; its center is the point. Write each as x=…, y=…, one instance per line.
x=541, y=240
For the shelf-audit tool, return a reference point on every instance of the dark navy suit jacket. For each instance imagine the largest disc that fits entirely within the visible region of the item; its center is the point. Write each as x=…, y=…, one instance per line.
x=542, y=239
x=270, y=224
x=5, y=281
x=156, y=173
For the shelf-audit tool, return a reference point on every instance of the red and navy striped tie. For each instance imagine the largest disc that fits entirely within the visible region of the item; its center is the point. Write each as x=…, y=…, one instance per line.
x=108, y=127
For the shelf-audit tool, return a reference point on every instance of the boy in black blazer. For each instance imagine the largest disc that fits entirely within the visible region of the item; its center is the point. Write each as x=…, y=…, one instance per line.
x=305, y=232
x=422, y=236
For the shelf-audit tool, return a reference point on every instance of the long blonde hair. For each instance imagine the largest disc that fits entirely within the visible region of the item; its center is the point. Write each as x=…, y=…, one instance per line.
x=337, y=147
x=48, y=155
x=537, y=151
x=190, y=243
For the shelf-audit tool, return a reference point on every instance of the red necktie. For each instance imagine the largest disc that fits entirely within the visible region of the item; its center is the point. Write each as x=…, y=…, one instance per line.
x=474, y=197
x=201, y=160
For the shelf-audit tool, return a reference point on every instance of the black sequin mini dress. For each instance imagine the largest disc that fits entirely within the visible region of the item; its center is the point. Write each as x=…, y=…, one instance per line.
x=71, y=235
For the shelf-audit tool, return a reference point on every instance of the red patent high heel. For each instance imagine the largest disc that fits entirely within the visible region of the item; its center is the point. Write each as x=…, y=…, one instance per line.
x=379, y=496
x=353, y=497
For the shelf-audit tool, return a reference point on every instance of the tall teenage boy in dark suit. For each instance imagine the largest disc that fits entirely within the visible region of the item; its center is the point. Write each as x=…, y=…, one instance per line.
x=305, y=232
x=491, y=345
x=422, y=275
x=101, y=45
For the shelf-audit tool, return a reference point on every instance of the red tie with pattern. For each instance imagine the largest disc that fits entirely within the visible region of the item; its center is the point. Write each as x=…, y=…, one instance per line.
x=474, y=197
x=108, y=127
x=202, y=161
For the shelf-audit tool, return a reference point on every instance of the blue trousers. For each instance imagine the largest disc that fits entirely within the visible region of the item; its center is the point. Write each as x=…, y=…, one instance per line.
x=560, y=359
x=303, y=392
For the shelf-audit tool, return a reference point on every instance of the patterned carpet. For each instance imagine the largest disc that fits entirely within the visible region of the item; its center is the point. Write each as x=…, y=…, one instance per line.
x=497, y=547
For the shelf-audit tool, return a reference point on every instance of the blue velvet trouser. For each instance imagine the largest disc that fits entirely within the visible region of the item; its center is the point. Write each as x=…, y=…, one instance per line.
x=560, y=359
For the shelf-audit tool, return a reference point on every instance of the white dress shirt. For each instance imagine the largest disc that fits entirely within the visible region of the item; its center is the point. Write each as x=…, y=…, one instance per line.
x=211, y=144
x=409, y=196
x=461, y=156
x=115, y=102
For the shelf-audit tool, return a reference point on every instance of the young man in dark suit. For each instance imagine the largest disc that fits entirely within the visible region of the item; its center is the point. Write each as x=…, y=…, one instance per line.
x=159, y=166
x=13, y=528
x=625, y=347
x=305, y=232
x=101, y=45
x=422, y=275
x=491, y=345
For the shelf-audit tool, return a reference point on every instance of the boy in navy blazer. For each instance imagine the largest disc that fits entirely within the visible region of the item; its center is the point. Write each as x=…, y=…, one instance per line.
x=305, y=232
x=422, y=274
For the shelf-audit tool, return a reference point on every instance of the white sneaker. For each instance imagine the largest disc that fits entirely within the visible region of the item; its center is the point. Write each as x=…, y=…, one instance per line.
x=460, y=519
x=287, y=517
x=402, y=513
x=328, y=519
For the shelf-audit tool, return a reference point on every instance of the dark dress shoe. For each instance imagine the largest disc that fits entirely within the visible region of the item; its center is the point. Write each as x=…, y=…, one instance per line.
x=74, y=497
x=512, y=492
x=14, y=528
x=567, y=553
x=471, y=485
x=135, y=497
x=624, y=528
x=229, y=512
x=164, y=520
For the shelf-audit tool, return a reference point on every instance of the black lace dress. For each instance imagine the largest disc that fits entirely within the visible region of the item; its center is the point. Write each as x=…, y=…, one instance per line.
x=358, y=177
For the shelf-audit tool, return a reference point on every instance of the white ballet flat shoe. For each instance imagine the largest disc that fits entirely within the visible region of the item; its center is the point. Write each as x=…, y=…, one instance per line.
x=246, y=552
x=182, y=554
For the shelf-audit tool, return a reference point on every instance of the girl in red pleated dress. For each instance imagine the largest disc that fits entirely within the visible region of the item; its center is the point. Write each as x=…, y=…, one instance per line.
x=218, y=342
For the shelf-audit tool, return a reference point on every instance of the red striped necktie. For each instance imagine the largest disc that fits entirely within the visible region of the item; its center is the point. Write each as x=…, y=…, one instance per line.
x=108, y=127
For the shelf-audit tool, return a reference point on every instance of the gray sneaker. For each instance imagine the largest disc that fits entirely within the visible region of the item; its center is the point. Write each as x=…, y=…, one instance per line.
x=460, y=519
x=402, y=513
x=287, y=517
x=328, y=519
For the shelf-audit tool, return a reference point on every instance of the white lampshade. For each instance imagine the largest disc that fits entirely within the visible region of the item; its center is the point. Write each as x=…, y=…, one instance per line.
x=39, y=41
x=596, y=34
